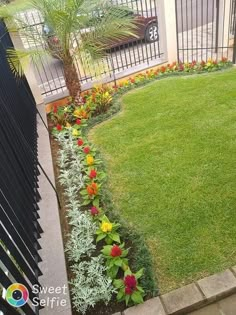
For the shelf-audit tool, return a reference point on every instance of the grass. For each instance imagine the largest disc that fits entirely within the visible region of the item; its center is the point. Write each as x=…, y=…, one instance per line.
x=171, y=156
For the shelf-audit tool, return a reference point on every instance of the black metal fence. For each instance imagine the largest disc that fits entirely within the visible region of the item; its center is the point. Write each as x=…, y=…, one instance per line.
x=19, y=227
x=138, y=52
x=206, y=29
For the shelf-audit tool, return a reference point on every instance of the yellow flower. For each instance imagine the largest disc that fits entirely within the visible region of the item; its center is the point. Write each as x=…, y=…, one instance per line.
x=77, y=113
x=66, y=109
x=75, y=132
x=68, y=125
x=90, y=159
x=106, y=227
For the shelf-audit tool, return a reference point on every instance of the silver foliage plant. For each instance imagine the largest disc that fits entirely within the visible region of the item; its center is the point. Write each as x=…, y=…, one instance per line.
x=90, y=283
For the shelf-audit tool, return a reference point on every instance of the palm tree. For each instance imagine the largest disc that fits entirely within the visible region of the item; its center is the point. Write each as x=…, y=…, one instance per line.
x=93, y=24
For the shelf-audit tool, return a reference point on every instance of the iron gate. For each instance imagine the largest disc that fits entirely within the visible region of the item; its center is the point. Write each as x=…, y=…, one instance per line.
x=19, y=227
x=206, y=29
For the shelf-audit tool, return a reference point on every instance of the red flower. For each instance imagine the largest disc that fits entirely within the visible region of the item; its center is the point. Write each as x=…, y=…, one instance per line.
x=59, y=127
x=93, y=174
x=86, y=150
x=128, y=291
x=78, y=121
x=94, y=211
x=130, y=281
x=163, y=69
x=116, y=251
x=55, y=109
x=80, y=142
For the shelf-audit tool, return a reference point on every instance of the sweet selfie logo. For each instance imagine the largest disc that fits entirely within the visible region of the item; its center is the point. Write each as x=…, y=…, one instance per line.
x=17, y=295
x=51, y=297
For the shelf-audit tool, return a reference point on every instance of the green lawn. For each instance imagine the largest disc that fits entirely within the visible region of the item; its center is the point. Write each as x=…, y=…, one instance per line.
x=171, y=163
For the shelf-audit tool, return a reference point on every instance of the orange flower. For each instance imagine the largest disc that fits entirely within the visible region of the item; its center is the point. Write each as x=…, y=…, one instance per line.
x=92, y=189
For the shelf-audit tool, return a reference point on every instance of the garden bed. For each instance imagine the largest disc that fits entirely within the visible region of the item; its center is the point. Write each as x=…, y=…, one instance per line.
x=82, y=190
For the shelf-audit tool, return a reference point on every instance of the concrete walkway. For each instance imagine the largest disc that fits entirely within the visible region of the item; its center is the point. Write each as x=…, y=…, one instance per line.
x=226, y=306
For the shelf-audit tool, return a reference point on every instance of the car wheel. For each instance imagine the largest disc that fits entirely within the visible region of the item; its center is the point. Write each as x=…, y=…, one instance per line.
x=151, y=34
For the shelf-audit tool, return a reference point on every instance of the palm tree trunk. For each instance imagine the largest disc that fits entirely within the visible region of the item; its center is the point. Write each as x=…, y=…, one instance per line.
x=71, y=78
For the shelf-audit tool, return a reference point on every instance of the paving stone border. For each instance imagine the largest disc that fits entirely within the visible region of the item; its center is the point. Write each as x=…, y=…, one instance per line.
x=190, y=297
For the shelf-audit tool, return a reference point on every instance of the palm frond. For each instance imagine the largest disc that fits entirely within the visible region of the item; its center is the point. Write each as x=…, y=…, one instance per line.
x=20, y=60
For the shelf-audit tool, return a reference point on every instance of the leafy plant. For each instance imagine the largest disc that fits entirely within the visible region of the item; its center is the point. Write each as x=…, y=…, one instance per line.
x=101, y=97
x=115, y=258
x=128, y=288
x=107, y=231
x=61, y=114
x=90, y=284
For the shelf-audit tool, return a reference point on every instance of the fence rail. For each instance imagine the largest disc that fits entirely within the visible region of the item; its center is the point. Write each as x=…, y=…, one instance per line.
x=19, y=227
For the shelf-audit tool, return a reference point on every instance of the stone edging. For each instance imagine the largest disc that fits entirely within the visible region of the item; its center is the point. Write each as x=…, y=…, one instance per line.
x=190, y=297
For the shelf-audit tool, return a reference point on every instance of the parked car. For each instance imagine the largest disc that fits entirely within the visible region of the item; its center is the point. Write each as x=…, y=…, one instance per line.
x=146, y=29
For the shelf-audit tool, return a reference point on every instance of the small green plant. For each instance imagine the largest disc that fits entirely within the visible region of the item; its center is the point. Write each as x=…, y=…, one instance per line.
x=107, y=231
x=115, y=258
x=129, y=289
x=100, y=99
x=61, y=115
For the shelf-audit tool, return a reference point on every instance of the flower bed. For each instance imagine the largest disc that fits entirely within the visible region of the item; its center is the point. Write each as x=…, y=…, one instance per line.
x=101, y=262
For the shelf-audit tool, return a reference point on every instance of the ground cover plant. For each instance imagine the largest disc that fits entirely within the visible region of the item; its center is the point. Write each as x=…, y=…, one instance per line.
x=105, y=253
x=170, y=158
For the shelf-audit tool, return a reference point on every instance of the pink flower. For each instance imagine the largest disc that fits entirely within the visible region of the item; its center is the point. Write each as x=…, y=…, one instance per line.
x=94, y=211
x=130, y=281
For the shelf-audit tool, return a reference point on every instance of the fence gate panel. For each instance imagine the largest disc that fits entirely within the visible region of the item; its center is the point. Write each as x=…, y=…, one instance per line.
x=206, y=29
x=19, y=227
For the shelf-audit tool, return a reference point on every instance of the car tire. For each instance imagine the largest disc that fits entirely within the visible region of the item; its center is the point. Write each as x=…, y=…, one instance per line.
x=151, y=34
